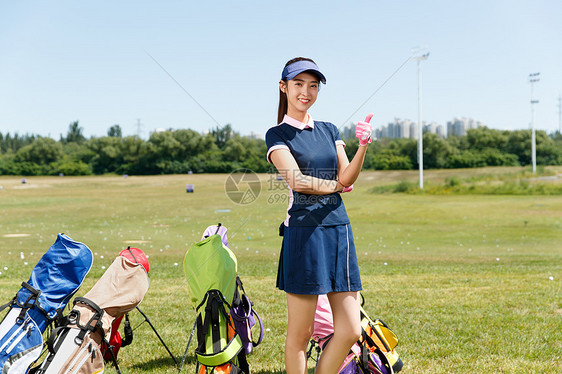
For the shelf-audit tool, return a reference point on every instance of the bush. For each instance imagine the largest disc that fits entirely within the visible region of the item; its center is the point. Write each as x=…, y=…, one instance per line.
x=389, y=161
x=71, y=168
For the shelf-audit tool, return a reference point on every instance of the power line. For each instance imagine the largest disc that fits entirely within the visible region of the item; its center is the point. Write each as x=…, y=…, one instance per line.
x=183, y=89
x=377, y=90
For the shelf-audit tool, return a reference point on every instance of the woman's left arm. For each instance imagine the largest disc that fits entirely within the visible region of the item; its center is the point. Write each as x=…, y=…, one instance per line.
x=349, y=171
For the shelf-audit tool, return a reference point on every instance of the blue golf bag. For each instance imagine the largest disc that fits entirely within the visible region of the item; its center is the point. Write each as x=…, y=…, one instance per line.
x=41, y=300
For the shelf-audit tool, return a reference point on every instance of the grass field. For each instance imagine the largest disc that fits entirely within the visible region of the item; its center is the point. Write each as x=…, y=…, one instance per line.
x=469, y=283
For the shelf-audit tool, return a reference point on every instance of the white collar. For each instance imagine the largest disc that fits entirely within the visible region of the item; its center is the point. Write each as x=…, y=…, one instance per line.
x=298, y=124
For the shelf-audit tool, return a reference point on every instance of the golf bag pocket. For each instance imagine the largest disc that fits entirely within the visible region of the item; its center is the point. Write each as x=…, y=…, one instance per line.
x=376, y=335
x=371, y=361
x=73, y=354
x=21, y=342
x=218, y=342
x=349, y=365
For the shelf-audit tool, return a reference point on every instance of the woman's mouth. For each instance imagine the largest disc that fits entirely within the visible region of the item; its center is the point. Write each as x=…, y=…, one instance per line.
x=304, y=101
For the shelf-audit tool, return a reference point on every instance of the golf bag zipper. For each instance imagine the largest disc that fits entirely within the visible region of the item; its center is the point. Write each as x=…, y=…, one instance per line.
x=17, y=335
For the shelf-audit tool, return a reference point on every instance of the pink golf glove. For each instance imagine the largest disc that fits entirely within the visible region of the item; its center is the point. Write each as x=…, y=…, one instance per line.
x=363, y=130
x=347, y=189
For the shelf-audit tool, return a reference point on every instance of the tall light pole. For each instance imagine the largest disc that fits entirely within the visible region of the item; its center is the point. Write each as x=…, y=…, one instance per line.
x=420, y=56
x=560, y=114
x=533, y=78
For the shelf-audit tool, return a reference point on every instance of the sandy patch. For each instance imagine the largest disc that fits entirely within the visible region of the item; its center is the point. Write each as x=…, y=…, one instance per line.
x=27, y=186
x=16, y=235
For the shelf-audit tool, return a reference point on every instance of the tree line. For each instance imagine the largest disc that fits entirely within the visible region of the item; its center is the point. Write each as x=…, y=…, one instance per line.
x=222, y=150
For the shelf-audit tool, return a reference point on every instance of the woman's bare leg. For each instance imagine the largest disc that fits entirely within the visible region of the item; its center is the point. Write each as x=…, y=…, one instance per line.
x=301, y=309
x=347, y=329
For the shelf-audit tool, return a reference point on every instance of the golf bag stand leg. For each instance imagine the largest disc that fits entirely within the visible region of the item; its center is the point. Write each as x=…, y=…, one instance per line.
x=158, y=335
x=113, y=358
x=187, y=347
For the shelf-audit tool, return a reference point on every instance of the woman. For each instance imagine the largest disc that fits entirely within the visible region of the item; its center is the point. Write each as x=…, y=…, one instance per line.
x=318, y=254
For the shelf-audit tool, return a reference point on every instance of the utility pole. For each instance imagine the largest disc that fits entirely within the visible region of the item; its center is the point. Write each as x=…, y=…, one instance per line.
x=560, y=114
x=420, y=56
x=139, y=127
x=533, y=78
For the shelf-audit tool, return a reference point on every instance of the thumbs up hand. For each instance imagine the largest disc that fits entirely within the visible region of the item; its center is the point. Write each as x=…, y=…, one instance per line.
x=363, y=130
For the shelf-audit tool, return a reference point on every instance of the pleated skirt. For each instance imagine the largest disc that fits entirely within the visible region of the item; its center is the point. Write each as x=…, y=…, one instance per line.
x=318, y=260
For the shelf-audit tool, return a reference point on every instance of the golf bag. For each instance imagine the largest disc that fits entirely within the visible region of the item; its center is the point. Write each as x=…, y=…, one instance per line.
x=225, y=314
x=115, y=341
x=40, y=302
x=75, y=346
x=374, y=352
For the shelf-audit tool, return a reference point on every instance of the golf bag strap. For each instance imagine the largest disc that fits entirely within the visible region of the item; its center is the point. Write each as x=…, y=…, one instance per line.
x=372, y=343
x=231, y=350
x=364, y=354
x=98, y=314
x=132, y=254
x=34, y=292
x=239, y=283
x=52, y=338
x=30, y=302
x=237, y=299
x=202, y=302
x=201, y=332
x=217, y=308
x=242, y=363
x=215, y=322
x=60, y=319
x=9, y=303
x=218, y=228
x=255, y=344
x=89, y=303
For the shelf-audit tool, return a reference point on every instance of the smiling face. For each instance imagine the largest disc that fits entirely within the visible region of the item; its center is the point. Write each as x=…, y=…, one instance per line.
x=302, y=92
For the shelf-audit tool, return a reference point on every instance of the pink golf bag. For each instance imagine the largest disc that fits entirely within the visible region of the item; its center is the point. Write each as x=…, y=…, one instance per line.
x=372, y=352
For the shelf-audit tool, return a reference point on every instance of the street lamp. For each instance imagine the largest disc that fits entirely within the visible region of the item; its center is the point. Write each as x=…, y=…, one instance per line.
x=533, y=78
x=420, y=56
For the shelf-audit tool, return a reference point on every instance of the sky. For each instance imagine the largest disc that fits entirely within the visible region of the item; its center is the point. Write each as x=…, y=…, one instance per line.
x=200, y=65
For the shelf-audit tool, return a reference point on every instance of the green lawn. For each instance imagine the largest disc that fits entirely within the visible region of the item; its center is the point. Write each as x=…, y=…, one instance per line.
x=469, y=283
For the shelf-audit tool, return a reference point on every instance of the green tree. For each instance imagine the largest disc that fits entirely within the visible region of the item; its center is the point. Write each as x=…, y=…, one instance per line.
x=436, y=151
x=41, y=152
x=483, y=137
x=115, y=131
x=75, y=133
x=107, y=157
x=11, y=143
x=222, y=135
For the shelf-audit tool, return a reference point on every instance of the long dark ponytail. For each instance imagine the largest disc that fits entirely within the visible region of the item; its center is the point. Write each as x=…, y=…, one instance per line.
x=283, y=105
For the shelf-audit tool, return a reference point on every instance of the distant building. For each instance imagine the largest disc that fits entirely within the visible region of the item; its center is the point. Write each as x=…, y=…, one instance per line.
x=255, y=135
x=459, y=126
x=348, y=132
x=406, y=129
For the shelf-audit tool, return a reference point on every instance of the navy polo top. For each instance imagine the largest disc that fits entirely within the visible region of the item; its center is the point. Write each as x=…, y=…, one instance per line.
x=313, y=145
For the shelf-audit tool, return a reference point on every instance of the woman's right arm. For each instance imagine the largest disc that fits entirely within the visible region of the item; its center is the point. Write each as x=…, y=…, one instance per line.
x=289, y=169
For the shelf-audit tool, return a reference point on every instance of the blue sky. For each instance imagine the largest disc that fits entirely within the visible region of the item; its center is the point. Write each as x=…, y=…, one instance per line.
x=63, y=61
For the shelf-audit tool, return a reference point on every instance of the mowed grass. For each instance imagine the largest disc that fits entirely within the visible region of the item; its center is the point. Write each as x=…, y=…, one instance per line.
x=469, y=283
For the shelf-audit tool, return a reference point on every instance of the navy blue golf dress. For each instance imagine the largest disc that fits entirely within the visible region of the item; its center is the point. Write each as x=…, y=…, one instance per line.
x=318, y=253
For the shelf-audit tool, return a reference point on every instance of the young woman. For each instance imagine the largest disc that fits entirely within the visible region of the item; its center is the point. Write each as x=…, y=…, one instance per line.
x=318, y=253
